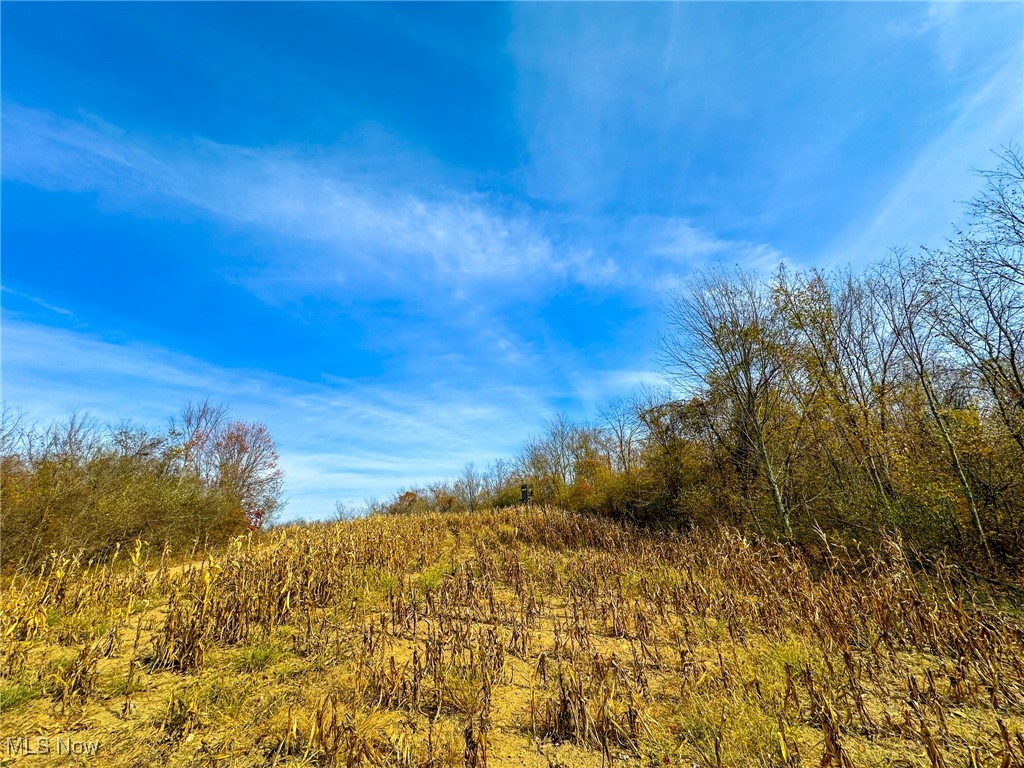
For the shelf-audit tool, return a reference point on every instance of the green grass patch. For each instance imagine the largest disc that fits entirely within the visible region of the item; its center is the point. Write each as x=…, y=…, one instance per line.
x=430, y=578
x=257, y=657
x=15, y=695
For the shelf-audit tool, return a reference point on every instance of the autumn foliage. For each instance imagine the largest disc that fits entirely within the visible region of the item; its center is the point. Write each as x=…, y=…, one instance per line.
x=854, y=402
x=79, y=487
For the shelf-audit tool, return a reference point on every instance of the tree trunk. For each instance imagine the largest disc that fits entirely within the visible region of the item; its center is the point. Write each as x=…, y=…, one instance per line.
x=954, y=457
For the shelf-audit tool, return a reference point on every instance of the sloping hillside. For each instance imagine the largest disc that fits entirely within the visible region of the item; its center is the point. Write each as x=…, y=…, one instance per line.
x=518, y=637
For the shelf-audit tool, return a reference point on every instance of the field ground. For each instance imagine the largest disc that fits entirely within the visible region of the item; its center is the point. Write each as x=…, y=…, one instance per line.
x=522, y=637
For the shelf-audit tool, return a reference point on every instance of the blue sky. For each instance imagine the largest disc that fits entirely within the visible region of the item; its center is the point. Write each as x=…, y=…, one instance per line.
x=404, y=235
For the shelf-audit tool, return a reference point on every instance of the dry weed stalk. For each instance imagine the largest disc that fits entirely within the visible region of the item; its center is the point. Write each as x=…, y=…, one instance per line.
x=567, y=629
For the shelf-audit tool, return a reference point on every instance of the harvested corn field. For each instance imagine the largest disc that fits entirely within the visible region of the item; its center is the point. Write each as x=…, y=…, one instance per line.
x=517, y=637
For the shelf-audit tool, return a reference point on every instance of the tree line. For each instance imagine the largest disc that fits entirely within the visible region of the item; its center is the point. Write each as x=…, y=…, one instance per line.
x=891, y=397
x=77, y=486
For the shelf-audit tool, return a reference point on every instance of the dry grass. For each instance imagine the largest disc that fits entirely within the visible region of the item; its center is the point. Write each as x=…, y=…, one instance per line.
x=524, y=637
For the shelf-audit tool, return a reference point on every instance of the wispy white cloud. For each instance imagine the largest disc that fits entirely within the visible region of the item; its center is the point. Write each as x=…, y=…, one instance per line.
x=597, y=389
x=39, y=302
x=361, y=228
x=922, y=206
x=689, y=245
x=755, y=130
x=298, y=194
x=949, y=25
x=931, y=17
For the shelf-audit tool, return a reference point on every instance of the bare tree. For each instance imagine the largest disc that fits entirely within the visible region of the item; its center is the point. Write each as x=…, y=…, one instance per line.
x=74, y=439
x=978, y=288
x=908, y=305
x=196, y=431
x=548, y=459
x=725, y=335
x=343, y=512
x=470, y=486
x=979, y=310
x=557, y=447
x=847, y=354
x=625, y=432
x=999, y=210
x=499, y=474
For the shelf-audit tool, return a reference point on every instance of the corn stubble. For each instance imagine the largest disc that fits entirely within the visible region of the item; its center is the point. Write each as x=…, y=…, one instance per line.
x=515, y=637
